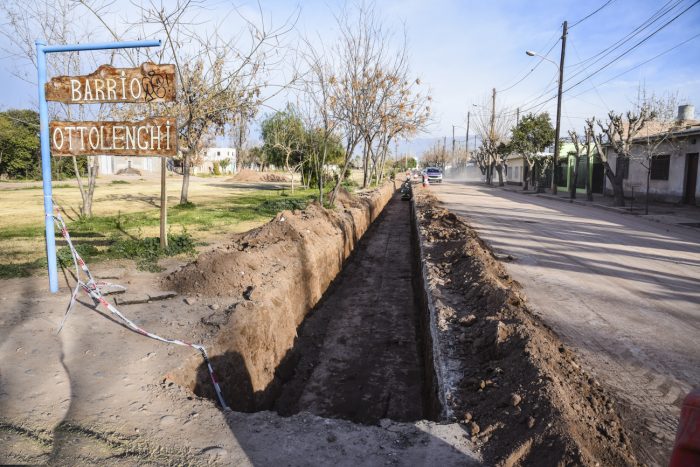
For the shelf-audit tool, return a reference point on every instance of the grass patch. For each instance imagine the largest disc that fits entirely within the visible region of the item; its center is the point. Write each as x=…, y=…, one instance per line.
x=121, y=236
x=119, y=182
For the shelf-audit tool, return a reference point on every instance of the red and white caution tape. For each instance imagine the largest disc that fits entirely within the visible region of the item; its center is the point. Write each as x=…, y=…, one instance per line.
x=93, y=289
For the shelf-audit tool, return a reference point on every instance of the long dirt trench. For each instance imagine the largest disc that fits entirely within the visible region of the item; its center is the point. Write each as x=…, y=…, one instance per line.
x=360, y=353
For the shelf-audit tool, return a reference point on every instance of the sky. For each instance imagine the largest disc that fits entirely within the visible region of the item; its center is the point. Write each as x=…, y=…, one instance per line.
x=464, y=49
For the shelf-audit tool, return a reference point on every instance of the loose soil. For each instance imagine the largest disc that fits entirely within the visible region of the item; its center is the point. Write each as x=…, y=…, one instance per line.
x=247, y=175
x=507, y=376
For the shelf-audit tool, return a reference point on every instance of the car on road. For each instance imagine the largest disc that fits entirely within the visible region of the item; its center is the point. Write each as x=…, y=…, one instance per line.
x=434, y=174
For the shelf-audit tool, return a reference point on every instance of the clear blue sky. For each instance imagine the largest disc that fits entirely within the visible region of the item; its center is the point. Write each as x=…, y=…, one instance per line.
x=462, y=49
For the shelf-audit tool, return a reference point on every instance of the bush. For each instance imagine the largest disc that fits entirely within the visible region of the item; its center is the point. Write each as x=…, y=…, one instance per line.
x=147, y=251
x=273, y=206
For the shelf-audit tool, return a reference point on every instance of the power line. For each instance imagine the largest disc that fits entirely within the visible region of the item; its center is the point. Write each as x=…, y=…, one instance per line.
x=533, y=68
x=644, y=62
x=591, y=14
x=620, y=55
x=658, y=14
x=633, y=47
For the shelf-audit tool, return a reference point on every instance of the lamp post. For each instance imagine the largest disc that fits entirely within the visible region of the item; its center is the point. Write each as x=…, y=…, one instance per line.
x=560, y=68
x=466, y=141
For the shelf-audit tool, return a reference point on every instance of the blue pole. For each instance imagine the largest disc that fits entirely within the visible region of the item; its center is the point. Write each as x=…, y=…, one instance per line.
x=41, y=50
x=46, y=168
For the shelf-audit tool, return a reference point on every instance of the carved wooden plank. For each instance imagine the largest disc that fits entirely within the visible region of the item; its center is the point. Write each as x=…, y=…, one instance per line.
x=150, y=137
x=147, y=83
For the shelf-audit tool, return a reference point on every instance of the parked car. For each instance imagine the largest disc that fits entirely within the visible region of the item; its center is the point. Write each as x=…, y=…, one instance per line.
x=434, y=174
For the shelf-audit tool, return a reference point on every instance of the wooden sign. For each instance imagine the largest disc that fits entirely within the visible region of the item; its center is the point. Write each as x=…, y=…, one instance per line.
x=148, y=83
x=150, y=137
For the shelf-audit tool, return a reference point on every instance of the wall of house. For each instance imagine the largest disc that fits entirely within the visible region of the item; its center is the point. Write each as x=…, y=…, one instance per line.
x=515, y=171
x=671, y=190
x=110, y=165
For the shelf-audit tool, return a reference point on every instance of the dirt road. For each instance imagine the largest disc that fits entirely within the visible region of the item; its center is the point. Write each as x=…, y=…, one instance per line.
x=358, y=353
x=623, y=292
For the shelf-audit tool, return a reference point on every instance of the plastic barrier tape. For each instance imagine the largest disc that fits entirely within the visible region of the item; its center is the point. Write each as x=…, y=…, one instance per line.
x=93, y=289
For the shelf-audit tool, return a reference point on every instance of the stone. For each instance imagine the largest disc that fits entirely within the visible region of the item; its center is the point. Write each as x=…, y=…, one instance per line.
x=530, y=422
x=474, y=428
x=467, y=321
x=165, y=295
x=214, y=306
x=190, y=300
x=515, y=399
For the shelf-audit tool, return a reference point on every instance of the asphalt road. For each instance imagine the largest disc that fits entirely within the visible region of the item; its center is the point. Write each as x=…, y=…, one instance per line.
x=624, y=292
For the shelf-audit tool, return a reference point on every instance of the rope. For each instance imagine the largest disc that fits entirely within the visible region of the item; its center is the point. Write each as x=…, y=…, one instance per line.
x=93, y=288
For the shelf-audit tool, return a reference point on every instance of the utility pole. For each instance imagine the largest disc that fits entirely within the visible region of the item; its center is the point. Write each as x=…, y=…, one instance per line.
x=492, y=136
x=555, y=162
x=466, y=141
x=453, y=147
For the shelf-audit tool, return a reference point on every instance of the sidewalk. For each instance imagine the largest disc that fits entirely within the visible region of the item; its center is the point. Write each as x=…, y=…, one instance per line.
x=664, y=213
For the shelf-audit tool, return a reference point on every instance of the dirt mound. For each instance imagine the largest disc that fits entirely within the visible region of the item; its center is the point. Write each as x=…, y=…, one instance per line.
x=247, y=175
x=267, y=280
x=128, y=171
x=520, y=392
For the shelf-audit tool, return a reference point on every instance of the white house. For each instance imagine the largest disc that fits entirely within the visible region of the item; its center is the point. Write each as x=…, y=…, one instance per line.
x=227, y=155
x=672, y=170
x=110, y=165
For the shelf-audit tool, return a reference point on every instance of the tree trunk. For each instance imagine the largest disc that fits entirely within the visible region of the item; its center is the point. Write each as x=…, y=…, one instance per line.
x=574, y=180
x=589, y=188
x=185, y=178
x=616, y=182
x=499, y=169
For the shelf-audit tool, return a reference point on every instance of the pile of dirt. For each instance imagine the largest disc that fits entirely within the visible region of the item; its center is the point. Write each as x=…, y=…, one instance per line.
x=247, y=175
x=521, y=394
x=266, y=281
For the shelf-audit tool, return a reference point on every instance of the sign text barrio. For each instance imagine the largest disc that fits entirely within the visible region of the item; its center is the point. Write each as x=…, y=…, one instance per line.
x=145, y=84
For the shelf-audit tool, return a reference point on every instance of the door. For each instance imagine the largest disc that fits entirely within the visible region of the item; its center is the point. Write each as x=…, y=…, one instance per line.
x=691, y=178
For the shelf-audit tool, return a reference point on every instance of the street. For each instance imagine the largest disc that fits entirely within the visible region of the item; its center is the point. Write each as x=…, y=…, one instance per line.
x=623, y=292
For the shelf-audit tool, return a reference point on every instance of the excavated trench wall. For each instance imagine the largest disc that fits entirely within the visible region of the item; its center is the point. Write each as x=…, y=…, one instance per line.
x=271, y=277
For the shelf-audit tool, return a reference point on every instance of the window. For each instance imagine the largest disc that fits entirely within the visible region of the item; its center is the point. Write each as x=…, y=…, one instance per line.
x=623, y=164
x=659, y=167
x=218, y=153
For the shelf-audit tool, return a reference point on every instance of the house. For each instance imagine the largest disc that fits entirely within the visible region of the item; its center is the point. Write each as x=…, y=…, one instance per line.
x=517, y=169
x=111, y=165
x=667, y=160
x=224, y=157
x=593, y=167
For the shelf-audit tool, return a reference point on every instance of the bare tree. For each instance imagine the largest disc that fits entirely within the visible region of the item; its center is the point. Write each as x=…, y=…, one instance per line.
x=221, y=75
x=56, y=22
x=493, y=128
x=618, y=132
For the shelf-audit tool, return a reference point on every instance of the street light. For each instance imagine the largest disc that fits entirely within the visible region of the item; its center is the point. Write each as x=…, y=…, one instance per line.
x=560, y=68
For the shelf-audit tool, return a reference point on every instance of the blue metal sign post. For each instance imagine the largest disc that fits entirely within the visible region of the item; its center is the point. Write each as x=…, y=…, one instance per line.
x=41, y=50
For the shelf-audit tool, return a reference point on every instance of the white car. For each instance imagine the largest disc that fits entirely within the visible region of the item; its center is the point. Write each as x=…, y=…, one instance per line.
x=434, y=174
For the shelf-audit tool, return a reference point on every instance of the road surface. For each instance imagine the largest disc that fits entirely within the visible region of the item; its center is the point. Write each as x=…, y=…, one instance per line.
x=624, y=292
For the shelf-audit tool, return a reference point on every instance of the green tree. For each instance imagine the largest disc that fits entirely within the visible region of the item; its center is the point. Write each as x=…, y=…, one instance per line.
x=283, y=137
x=19, y=144
x=532, y=135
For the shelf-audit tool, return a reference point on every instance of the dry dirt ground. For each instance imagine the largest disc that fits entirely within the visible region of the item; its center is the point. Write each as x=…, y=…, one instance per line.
x=622, y=291
x=98, y=393
x=522, y=394
x=379, y=347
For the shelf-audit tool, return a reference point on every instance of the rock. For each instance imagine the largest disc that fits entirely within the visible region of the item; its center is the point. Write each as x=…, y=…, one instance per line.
x=467, y=321
x=530, y=422
x=474, y=428
x=215, y=452
x=162, y=295
x=190, y=300
x=467, y=417
x=331, y=438
x=384, y=423
x=501, y=333
x=214, y=306
x=482, y=384
x=515, y=399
